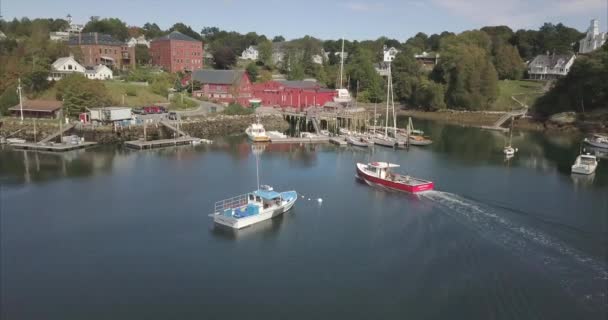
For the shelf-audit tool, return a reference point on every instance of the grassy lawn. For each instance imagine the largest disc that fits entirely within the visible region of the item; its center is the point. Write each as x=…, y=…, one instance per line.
x=139, y=95
x=179, y=104
x=525, y=91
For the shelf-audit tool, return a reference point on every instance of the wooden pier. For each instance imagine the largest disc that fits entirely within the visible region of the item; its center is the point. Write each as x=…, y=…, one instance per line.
x=53, y=147
x=181, y=141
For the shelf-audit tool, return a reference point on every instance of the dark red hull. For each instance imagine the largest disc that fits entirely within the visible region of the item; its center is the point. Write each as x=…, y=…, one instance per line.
x=412, y=188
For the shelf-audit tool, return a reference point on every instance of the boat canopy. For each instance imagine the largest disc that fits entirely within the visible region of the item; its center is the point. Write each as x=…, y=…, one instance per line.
x=267, y=194
x=384, y=165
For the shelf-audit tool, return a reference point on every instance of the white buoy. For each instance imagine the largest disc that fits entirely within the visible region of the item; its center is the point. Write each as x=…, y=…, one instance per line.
x=319, y=200
x=308, y=199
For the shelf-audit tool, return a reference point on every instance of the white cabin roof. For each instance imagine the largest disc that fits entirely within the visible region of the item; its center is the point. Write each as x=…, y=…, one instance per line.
x=383, y=165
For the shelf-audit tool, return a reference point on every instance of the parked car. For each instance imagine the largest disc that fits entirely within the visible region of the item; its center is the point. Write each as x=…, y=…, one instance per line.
x=154, y=109
x=138, y=111
x=172, y=116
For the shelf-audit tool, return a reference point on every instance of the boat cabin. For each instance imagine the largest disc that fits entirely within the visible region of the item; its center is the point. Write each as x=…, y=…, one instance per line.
x=381, y=169
x=265, y=198
x=586, y=159
x=257, y=129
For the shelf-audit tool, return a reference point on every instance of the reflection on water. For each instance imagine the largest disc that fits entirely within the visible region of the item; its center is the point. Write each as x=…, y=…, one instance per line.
x=464, y=145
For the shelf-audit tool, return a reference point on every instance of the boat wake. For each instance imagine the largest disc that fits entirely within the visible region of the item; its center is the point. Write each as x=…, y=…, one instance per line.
x=580, y=275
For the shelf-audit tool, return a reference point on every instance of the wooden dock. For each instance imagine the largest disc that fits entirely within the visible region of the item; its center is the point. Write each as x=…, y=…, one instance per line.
x=53, y=147
x=181, y=141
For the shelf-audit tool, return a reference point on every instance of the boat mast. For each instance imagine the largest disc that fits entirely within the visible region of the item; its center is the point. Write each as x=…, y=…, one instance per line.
x=388, y=95
x=257, y=168
x=392, y=101
x=342, y=65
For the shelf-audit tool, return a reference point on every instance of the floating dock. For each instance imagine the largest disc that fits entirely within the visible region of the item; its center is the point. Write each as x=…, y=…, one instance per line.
x=181, y=141
x=55, y=147
x=338, y=140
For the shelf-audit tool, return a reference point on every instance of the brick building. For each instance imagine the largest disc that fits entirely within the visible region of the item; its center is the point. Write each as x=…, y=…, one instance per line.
x=98, y=48
x=296, y=94
x=177, y=52
x=224, y=85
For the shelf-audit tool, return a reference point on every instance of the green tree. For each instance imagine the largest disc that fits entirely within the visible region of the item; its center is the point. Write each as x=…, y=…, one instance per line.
x=142, y=54
x=509, y=64
x=406, y=73
x=363, y=75
x=152, y=30
x=253, y=71
x=9, y=98
x=187, y=30
x=224, y=58
x=265, y=53
x=584, y=88
x=112, y=26
x=278, y=39
x=78, y=93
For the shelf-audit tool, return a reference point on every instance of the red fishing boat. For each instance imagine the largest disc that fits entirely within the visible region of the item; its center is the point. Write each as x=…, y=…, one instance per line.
x=379, y=173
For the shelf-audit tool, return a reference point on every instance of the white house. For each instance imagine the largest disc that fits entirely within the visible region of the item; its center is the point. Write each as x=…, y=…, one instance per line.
x=99, y=72
x=317, y=59
x=550, y=66
x=141, y=40
x=65, y=66
x=390, y=54
x=594, y=38
x=2, y=35
x=250, y=53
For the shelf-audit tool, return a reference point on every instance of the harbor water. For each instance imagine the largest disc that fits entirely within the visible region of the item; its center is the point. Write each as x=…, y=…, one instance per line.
x=111, y=233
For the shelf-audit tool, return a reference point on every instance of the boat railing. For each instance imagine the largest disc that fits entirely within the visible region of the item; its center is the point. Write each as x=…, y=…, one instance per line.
x=231, y=203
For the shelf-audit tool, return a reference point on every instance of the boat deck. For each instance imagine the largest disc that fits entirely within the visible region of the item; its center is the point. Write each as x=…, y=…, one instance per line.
x=410, y=181
x=242, y=212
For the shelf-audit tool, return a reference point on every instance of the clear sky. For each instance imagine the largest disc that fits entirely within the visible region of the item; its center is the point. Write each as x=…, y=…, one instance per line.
x=325, y=19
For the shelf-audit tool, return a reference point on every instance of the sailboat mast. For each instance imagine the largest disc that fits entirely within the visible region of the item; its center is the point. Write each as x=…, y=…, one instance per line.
x=342, y=65
x=393, y=101
x=388, y=96
x=257, y=169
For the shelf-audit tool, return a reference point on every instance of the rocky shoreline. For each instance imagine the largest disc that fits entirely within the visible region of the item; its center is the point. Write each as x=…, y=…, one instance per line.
x=481, y=118
x=199, y=127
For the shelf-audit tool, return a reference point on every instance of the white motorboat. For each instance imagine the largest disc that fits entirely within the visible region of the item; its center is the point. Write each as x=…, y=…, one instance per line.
x=585, y=164
x=248, y=209
x=257, y=133
x=598, y=141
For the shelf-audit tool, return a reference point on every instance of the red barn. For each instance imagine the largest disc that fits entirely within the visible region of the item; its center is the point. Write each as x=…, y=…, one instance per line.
x=177, y=52
x=224, y=85
x=297, y=94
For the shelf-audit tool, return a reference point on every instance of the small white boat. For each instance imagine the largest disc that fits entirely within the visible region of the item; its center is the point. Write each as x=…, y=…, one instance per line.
x=509, y=151
x=15, y=141
x=585, y=164
x=598, y=141
x=357, y=141
x=248, y=209
x=257, y=133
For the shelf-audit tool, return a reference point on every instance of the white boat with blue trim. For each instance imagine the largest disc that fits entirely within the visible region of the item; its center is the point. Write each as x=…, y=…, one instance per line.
x=248, y=209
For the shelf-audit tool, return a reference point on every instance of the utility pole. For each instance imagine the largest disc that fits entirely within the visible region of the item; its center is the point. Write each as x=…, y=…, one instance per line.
x=20, y=102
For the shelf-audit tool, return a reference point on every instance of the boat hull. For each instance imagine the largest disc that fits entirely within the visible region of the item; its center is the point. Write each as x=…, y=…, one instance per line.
x=586, y=170
x=241, y=223
x=369, y=179
x=258, y=138
x=596, y=144
x=385, y=143
x=357, y=142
